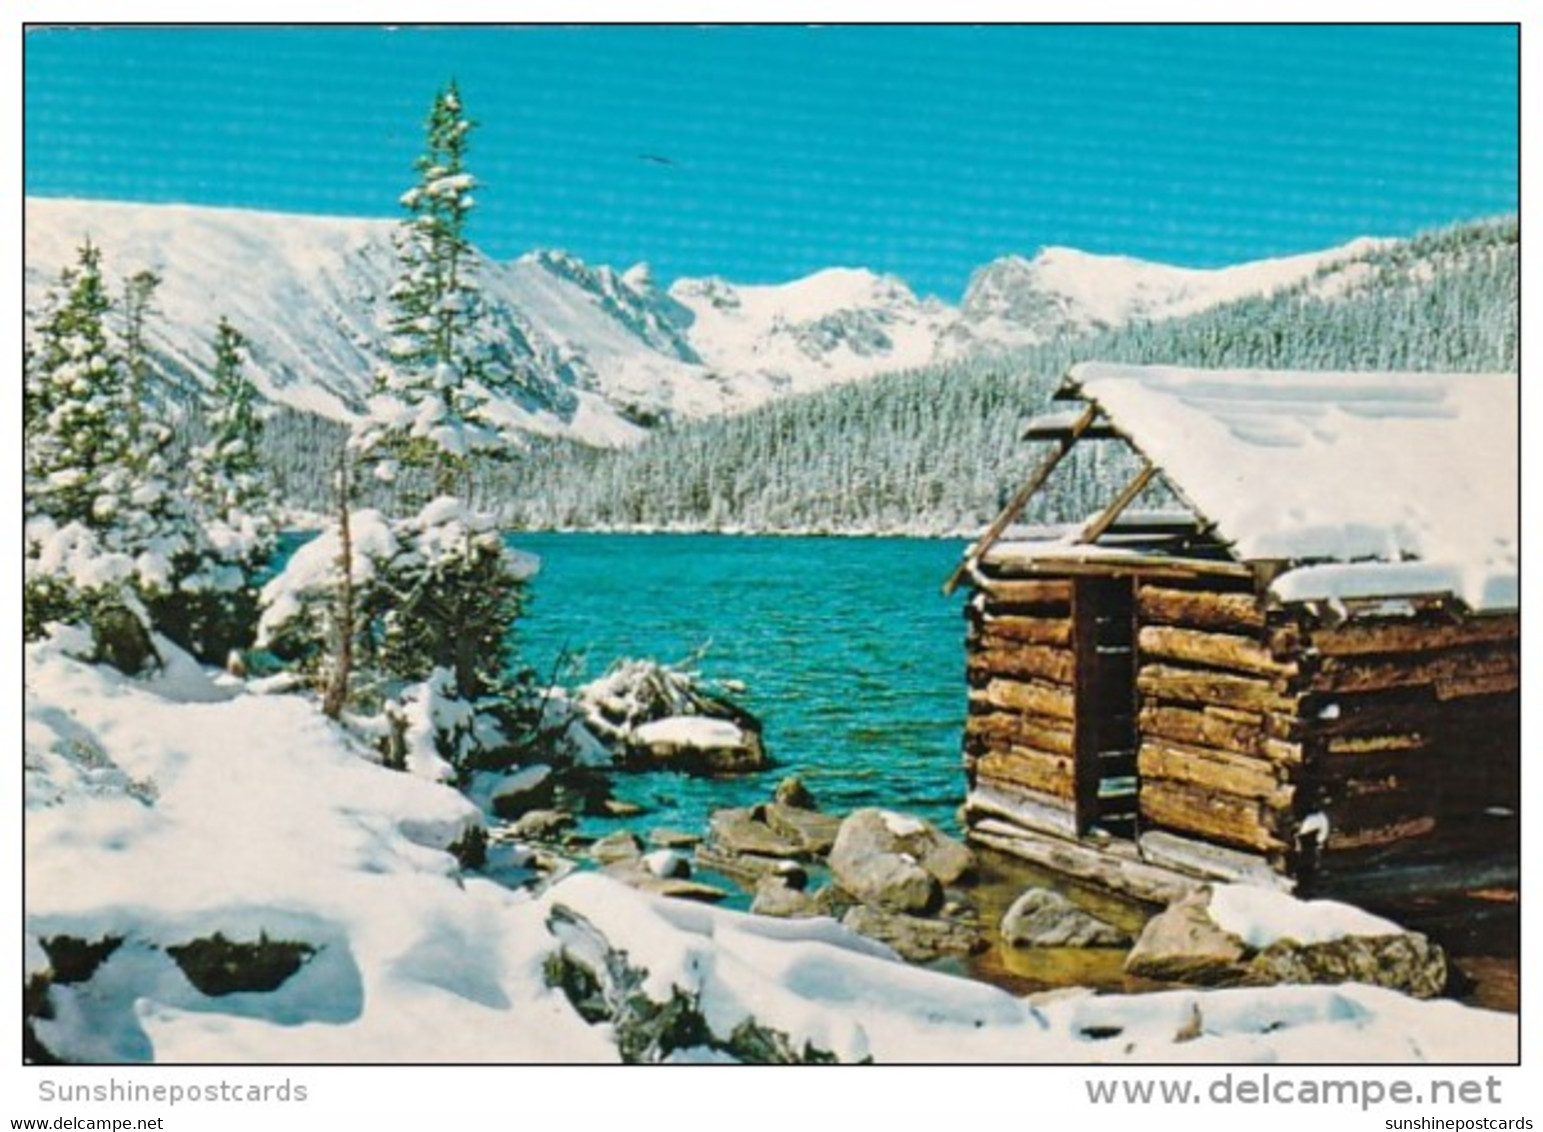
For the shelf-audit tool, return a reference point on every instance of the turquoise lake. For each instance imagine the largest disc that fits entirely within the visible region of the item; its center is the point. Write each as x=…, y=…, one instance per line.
x=846, y=648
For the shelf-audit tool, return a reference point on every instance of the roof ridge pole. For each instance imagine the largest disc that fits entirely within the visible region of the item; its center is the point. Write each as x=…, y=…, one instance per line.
x=1019, y=500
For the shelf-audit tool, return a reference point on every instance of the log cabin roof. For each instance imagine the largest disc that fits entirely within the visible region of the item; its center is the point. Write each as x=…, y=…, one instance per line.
x=1348, y=484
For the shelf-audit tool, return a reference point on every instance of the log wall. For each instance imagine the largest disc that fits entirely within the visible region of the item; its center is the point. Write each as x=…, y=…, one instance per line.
x=1402, y=730
x=1020, y=734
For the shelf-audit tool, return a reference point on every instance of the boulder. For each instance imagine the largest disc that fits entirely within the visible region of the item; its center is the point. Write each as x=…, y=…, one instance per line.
x=1407, y=962
x=618, y=808
x=699, y=745
x=1257, y=937
x=774, y=896
x=541, y=825
x=791, y=791
x=1042, y=917
x=529, y=788
x=623, y=845
x=897, y=862
x=745, y=831
x=1183, y=944
x=814, y=832
x=918, y=939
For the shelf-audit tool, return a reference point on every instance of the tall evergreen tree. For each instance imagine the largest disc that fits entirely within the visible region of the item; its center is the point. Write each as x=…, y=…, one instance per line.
x=430, y=409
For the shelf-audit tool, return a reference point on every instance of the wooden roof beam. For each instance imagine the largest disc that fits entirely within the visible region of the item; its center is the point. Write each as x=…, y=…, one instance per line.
x=1019, y=500
x=1094, y=530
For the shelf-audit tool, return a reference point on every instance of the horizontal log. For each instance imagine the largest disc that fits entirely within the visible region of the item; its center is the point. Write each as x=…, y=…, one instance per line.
x=1035, y=770
x=1035, y=697
x=1218, y=772
x=1372, y=744
x=1459, y=687
x=1353, y=639
x=1214, y=650
x=1097, y=865
x=1213, y=862
x=1200, y=609
x=1038, y=593
x=1029, y=808
x=1058, y=666
x=1029, y=630
x=1192, y=686
x=1471, y=667
x=1383, y=835
x=1202, y=727
x=1225, y=818
x=1006, y=729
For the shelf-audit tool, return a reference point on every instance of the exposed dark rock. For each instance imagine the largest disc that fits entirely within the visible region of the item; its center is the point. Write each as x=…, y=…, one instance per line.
x=530, y=788
x=1042, y=917
x=74, y=960
x=219, y=966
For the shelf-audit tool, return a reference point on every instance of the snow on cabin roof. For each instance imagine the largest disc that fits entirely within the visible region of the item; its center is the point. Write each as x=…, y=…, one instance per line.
x=1336, y=467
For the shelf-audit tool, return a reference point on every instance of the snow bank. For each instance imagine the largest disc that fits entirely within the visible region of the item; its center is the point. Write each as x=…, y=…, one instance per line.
x=163, y=813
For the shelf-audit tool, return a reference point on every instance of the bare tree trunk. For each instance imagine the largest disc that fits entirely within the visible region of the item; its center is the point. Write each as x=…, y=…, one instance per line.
x=336, y=696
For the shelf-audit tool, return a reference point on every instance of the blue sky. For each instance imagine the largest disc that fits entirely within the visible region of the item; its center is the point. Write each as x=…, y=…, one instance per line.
x=920, y=151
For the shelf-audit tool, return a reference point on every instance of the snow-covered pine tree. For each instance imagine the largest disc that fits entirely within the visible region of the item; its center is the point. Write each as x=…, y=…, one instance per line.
x=437, y=591
x=429, y=412
x=109, y=539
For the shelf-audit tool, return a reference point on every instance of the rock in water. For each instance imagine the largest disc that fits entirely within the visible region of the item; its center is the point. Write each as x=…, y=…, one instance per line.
x=699, y=745
x=623, y=845
x=530, y=788
x=915, y=938
x=897, y=862
x=792, y=792
x=1042, y=917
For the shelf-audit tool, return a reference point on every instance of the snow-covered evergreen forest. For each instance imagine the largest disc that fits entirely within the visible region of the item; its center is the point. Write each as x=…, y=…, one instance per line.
x=938, y=450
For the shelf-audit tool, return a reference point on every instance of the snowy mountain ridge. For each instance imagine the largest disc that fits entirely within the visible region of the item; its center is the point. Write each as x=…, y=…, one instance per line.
x=601, y=355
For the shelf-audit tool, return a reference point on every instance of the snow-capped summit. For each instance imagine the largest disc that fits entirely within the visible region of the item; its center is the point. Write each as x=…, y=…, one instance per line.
x=1013, y=301
x=600, y=355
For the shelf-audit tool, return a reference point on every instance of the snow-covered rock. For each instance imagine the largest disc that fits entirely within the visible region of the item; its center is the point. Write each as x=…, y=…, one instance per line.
x=1239, y=934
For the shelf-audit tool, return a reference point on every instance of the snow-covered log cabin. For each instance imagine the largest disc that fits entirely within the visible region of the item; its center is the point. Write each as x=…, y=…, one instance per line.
x=1298, y=664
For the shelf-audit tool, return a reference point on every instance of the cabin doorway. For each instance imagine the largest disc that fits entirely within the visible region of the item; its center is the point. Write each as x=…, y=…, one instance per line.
x=1104, y=630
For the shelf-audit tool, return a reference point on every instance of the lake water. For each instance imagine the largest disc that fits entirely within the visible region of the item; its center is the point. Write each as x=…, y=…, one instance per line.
x=849, y=654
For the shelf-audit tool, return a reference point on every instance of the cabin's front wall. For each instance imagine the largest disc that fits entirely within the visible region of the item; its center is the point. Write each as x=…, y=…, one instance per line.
x=1286, y=743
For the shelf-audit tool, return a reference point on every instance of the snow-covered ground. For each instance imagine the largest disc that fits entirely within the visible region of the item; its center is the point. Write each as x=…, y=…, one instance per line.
x=168, y=809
